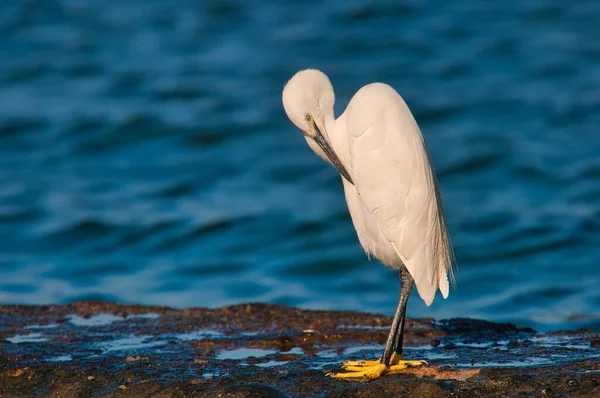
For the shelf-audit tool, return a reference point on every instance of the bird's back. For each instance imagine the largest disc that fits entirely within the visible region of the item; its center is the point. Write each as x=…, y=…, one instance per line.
x=397, y=187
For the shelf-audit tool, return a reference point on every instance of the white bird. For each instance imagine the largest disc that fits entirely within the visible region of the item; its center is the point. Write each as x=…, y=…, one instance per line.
x=391, y=191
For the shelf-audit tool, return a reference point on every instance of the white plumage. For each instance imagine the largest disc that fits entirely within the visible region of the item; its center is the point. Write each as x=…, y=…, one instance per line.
x=391, y=190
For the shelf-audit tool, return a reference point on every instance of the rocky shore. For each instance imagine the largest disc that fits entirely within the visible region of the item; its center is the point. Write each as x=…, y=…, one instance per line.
x=257, y=350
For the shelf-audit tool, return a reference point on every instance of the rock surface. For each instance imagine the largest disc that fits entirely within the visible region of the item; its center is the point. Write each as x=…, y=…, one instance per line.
x=258, y=350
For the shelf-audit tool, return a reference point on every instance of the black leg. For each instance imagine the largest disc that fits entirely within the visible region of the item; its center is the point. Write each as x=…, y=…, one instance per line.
x=407, y=286
x=395, y=337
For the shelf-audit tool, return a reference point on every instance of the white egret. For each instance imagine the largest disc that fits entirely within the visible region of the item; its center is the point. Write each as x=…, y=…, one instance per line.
x=391, y=191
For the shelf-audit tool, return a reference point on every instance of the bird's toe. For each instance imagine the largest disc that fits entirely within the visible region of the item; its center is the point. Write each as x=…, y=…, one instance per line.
x=361, y=373
x=363, y=363
x=370, y=370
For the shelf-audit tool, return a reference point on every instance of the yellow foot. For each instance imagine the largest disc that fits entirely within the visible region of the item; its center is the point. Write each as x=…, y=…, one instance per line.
x=370, y=370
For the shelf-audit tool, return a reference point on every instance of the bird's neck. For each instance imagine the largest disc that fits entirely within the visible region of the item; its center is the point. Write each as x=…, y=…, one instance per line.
x=338, y=139
x=335, y=133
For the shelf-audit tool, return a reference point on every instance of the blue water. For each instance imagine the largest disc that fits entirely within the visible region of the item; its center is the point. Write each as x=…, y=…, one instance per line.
x=145, y=156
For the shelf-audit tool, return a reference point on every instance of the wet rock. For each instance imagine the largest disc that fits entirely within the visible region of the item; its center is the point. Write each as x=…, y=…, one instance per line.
x=513, y=344
x=518, y=344
x=427, y=389
x=248, y=391
x=103, y=349
x=595, y=344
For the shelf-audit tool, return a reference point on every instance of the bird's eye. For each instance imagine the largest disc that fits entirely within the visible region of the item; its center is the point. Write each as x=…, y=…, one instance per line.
x=308, y=118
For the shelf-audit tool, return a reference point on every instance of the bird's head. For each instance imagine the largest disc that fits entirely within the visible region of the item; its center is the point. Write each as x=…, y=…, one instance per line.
x=308, y=101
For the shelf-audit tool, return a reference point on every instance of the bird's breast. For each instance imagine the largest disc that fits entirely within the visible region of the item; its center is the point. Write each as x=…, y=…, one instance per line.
x=372, y=240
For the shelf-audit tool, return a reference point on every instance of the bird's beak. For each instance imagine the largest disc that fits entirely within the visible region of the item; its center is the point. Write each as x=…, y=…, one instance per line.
x=324, y=145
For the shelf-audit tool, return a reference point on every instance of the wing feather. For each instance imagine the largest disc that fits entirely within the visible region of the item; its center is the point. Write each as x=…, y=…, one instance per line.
x=393, y=177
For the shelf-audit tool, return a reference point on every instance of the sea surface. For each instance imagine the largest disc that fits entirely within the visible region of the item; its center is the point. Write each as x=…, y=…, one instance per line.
x=145, y=156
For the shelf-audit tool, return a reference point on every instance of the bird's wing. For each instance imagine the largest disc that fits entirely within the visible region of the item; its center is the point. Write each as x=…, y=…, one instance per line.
x=393, y=176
